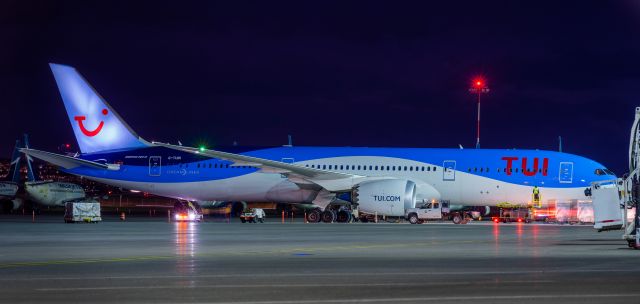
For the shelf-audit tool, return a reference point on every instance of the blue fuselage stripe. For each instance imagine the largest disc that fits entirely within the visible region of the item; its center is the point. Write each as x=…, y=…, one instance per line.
x=163, y=165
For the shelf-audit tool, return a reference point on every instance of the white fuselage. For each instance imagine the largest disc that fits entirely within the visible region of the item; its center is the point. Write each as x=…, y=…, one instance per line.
x=49, y=193
x=463, y=188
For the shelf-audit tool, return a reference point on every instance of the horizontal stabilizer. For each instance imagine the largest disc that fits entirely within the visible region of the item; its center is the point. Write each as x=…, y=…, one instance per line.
x=63, y=161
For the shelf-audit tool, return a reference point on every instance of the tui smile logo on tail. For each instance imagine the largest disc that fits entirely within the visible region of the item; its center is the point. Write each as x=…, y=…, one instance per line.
x=84, y=130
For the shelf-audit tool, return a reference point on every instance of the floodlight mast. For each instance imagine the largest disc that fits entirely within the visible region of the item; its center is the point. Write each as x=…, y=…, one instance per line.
x=478, y=86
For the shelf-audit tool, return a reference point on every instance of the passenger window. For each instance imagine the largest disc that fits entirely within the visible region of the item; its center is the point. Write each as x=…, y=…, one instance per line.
x=370, y=168
x=434, y=169
x=376, y=168
x=422, y=168
x=405, y=168
x=411, y=168
x=481, y=169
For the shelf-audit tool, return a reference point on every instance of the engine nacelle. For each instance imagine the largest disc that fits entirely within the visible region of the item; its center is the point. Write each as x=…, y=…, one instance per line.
x=385, y=197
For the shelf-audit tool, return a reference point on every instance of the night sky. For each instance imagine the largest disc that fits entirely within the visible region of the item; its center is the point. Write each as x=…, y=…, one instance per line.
x=339, y=73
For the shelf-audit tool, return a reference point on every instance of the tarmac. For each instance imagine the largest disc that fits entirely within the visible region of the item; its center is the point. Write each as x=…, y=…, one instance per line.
x=146, y=260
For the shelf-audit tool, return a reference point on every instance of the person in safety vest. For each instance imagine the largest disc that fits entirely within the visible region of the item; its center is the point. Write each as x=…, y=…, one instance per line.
x=536, y=194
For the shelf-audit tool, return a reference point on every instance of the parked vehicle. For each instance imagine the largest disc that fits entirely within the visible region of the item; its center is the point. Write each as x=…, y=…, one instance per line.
x=82, y=211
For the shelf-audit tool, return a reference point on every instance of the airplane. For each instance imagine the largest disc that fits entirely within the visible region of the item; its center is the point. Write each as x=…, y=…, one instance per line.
x=383, y=181
x=42, y=193
x=9, y=187
x=49, y=193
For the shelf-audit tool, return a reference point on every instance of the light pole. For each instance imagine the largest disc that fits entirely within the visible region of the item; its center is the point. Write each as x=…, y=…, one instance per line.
x=478, y=86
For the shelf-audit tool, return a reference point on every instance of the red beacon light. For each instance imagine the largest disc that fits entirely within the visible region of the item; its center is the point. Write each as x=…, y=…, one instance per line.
x=478, y=84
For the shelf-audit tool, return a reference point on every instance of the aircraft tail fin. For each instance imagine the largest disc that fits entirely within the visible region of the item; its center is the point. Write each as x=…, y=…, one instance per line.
x=32, y=176
x=96, y=125
x=14, y=170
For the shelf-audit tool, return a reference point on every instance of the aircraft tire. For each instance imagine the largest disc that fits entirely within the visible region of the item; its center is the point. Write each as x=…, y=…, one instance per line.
x=314, y=216
x=343, y=216
x=328, y=216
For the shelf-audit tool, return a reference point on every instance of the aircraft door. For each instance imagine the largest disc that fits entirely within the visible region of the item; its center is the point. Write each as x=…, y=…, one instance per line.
x=566, y=172
x=155, y=165
x=449, y=170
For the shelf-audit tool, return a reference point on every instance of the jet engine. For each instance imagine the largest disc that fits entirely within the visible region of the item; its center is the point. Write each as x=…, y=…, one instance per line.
x=385, y=197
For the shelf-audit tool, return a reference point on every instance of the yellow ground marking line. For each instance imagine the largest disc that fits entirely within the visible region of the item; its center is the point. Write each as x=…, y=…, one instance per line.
x=232, y=253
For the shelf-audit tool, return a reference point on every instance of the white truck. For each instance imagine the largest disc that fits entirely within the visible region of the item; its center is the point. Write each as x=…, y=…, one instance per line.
x=87, y=211
x=437, y=210
x=428, y=211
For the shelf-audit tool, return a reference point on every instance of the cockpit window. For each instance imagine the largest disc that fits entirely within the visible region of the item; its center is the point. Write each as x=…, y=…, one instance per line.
x=604, y=172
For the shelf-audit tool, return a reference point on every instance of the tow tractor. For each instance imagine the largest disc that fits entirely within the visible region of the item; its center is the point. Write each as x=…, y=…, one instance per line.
x=616, y=202
x=248, y=215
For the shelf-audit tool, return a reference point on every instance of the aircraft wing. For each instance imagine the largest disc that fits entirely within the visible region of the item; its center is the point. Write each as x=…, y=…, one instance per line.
x=64, y=161
x=330, y=180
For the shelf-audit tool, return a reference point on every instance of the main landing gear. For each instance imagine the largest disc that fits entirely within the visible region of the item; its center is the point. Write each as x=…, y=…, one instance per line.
x=330, y=215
